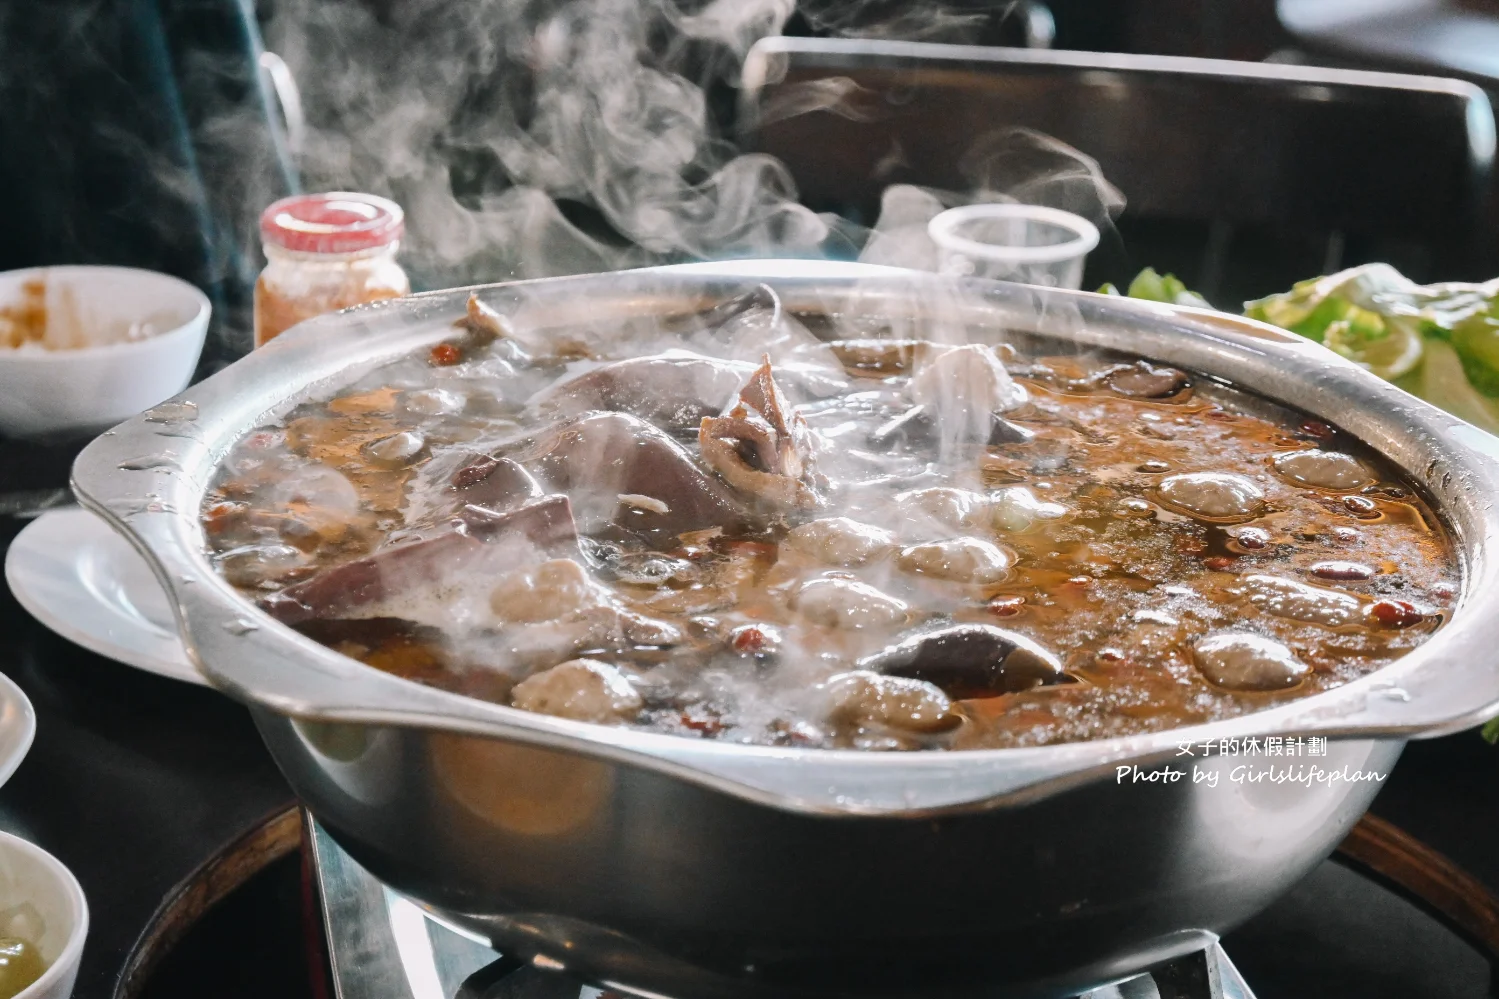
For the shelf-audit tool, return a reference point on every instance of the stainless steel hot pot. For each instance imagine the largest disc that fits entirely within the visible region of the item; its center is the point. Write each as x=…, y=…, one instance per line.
x=693, y=869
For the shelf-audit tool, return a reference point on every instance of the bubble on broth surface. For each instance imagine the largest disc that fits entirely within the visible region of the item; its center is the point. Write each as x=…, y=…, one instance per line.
x=434, y=402
x=942, y=509
x=1244, y=661
x=1018, y=509
x=1323, y=470
x=1302, y=602
x=1218, y=496
x=397, y=450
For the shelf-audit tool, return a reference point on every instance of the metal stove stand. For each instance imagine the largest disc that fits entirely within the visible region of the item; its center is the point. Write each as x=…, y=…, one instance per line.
x=383, y=946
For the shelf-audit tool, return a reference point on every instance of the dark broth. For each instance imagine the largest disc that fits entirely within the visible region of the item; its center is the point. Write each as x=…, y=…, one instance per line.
x=1120, y=584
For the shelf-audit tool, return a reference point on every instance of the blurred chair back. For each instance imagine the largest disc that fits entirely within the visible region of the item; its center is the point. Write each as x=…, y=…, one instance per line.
x=1331, y=164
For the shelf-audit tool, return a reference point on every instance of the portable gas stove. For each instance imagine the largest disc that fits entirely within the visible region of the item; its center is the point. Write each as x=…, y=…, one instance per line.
x=383, y=946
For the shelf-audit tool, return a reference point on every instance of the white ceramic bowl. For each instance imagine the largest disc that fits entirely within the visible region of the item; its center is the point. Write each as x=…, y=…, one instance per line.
x=29, y=874
x=86, y=389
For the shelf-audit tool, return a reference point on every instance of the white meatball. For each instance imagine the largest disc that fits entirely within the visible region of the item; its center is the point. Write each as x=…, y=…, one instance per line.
x=967, y=382
x=1299, y=601
x=1237, y=660
x=1212, y=495
x=581, y=689
x=847, y=603
x=544, y=592
x=942, y=506
x=1322, y=470
x=964, y=560
x=841, y=541
x=1017, y=509
x=866, y=698
x=604, y=626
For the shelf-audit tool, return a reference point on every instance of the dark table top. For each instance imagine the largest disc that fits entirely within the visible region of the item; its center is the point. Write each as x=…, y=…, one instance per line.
x=134, y=781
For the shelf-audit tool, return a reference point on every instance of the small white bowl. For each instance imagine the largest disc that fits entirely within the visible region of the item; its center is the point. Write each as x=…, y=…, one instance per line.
x=90, y=388
x=30, y=874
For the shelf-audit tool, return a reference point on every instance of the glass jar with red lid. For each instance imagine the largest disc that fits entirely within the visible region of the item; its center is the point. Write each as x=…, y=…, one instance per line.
x=326, y=252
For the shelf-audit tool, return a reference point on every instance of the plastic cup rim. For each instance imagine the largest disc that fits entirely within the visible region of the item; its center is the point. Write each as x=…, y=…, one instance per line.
x=941, y=230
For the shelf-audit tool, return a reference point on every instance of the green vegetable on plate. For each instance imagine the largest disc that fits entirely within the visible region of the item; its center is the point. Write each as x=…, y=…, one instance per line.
x=1439, y=342
x=1153, y=287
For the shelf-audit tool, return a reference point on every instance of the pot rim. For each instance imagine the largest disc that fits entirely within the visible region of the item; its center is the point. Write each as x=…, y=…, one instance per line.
x=1445, y=685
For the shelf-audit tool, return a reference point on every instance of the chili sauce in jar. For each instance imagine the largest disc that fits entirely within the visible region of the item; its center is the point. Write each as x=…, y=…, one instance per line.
x=326, y=252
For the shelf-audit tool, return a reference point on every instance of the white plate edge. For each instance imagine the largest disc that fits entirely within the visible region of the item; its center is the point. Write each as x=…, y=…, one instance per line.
x=183, y=671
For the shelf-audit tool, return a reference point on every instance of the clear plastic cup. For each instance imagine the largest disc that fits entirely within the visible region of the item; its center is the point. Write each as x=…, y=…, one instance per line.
x=1031, y=244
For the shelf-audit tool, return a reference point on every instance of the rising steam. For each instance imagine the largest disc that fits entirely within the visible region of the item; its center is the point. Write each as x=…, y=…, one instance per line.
x=480, y=117
x=533, y=139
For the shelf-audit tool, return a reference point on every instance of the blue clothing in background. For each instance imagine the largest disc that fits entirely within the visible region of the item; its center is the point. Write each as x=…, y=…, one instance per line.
x=140, y=133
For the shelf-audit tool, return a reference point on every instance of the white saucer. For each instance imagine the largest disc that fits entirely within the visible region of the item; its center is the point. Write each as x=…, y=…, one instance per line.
x=84, y=581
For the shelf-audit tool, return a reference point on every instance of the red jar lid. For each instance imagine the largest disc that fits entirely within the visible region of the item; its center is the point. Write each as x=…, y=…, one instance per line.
x=336, y=222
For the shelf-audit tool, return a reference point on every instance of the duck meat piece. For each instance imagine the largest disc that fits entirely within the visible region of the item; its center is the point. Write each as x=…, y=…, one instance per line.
x=456, y=477
x=673, y=390
x=484, y=327
x=544, y=612
x=1002, y=431
x=548, y=524
x=622, y=471
x=476, y=538
x=581, y=689
x=762, y=447
x=495, y=483
x=970, y=660
x=913, y=428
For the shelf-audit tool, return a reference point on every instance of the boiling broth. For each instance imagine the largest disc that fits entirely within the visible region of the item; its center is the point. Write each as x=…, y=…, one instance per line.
x=785, y=530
